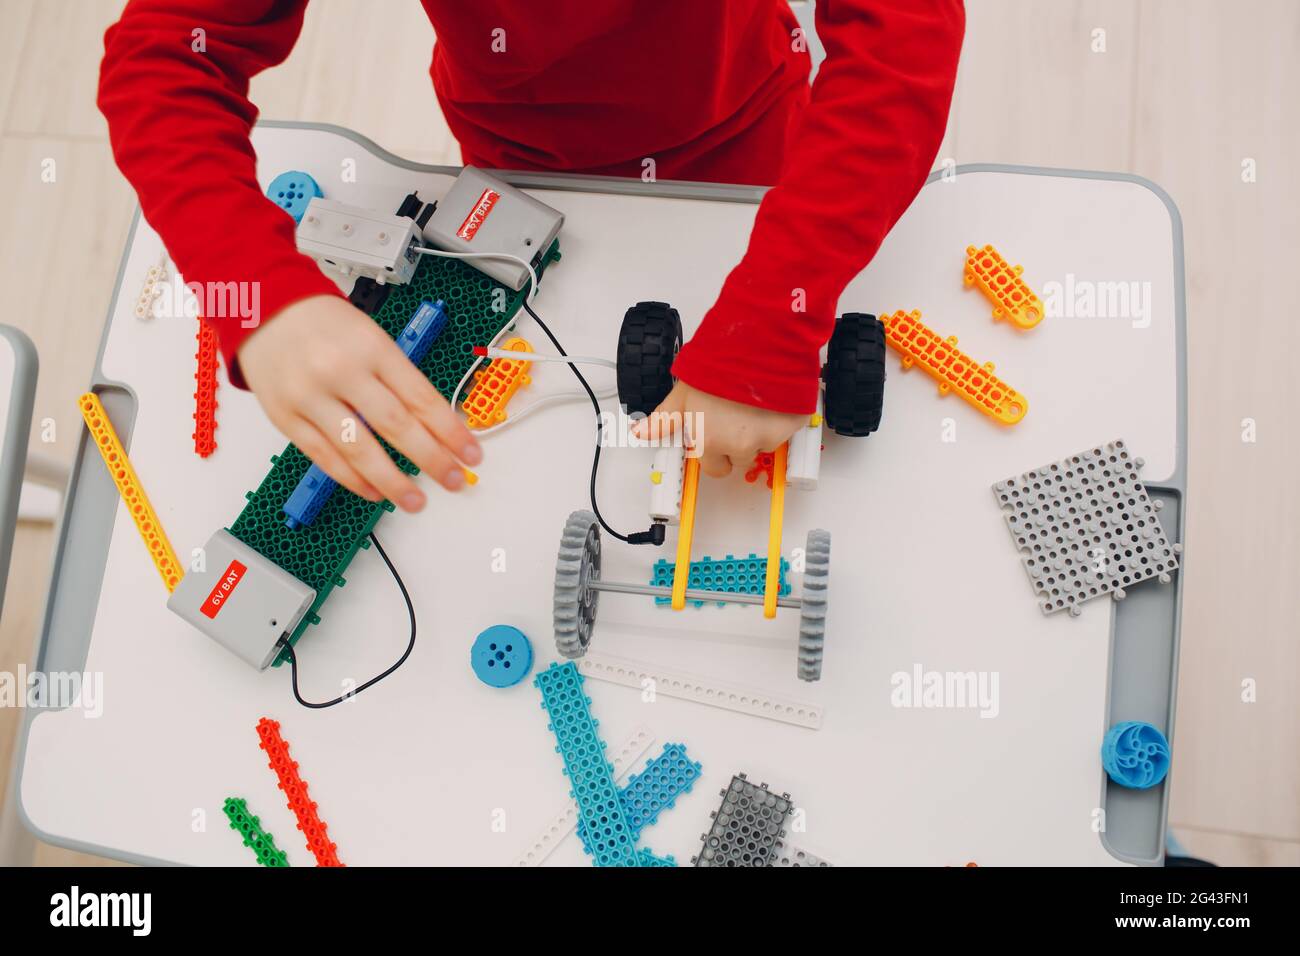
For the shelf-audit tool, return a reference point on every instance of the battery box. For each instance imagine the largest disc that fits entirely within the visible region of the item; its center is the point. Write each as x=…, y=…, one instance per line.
x=241, y=600
x=481, y=213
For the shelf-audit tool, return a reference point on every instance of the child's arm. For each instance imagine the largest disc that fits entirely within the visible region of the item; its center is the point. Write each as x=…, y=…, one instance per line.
x=174, y=88
x=877, y=115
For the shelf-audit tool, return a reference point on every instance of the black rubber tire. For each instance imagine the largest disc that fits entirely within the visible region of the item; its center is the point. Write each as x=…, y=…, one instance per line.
x=648, y=341
x=854, y=374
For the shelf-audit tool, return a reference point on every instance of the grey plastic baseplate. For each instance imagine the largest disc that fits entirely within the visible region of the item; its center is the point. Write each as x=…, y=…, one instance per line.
x=747, y=826
x=1086, y=527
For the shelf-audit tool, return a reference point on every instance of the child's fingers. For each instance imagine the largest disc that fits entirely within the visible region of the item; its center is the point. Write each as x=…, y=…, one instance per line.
x=664, y=421
x=315, y=446
x=715, y=464
x=386, y=413
x=432, y=410
x=350, y=437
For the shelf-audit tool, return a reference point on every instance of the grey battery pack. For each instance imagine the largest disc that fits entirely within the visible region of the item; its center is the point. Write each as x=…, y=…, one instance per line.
x=481, y=213
x=241, y=600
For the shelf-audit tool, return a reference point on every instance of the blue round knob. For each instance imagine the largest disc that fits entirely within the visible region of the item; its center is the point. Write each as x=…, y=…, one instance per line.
x=501, y=656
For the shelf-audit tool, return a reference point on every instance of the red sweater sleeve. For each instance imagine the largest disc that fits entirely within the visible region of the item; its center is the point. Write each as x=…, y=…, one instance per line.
x=860, y=155
x=179, y=119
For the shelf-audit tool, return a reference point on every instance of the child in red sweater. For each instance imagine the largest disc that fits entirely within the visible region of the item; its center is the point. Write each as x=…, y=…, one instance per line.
x=714, y=91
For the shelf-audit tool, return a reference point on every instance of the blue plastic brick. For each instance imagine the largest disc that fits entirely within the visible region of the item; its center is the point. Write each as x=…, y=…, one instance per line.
x=592, y=776
x=1135, y=754
x=655, y=789
x=292, y=191
x=309, y=497
x=423, y=330
x=501, y=656
x=315, y=487
x=732, y=574
x=649, y=859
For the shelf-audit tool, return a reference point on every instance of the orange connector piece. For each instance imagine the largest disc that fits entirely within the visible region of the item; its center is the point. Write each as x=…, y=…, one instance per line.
x=1001, y=284
x=129, y=487
x=494, y=386
x=295, y=791
x=953, y=369
x=205, y=397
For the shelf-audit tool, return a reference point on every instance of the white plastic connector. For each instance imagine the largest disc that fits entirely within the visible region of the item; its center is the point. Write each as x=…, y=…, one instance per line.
x=353, y=241
x=804, y=461
x=666, y=483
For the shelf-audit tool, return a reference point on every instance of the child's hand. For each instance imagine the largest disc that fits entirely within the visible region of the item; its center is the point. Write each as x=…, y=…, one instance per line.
x=322, y=362
x=731, y=432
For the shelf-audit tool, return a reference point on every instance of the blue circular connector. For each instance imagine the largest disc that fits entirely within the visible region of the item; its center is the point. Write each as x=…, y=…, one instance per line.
x=501, y=656
x=292, y=191
x=1135, y=754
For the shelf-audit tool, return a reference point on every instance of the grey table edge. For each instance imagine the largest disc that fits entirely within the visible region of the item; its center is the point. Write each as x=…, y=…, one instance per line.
x=1144, y=626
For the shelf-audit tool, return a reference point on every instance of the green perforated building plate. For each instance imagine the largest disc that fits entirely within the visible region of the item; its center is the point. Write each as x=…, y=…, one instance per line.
x=317, y=554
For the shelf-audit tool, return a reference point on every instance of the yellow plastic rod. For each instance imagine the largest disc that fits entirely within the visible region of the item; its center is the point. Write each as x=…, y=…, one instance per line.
x=132, y=492
x=686, y=528
x=772, y=588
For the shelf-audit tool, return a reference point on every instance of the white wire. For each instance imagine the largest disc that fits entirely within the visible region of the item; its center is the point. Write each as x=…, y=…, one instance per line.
x=564, y=359
x=532, y=273
x=552, y=399
x=555, y=398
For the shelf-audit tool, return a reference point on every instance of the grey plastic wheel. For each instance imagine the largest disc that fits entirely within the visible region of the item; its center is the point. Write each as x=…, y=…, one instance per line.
x=812, y=610
x=578, y=564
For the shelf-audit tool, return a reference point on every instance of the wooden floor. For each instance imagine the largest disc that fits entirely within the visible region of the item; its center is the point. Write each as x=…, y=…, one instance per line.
x=1184, y=93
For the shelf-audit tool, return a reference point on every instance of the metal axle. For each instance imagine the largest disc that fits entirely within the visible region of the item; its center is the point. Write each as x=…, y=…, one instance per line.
x=727, y=597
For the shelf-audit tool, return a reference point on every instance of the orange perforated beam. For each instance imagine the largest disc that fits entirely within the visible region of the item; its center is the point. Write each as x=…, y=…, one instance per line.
x=1001, y=284
x=953, y=369
x=494, y=385
x=205, y=394
x=295, y=791
x=132, y=492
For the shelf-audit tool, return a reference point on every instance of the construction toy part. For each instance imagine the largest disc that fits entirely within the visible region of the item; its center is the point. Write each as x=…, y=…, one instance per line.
x=649, y=859
x=309, y=496
x=789, y=856
x=501, y=656
x=731, y=574
x=151, y=288
x=702, y=690
x=1135, y=754
x=132, y=492
x=340, y=530
x=747, y=826
x=1001, y=284
x=599, y=809
x=762, y=465
x=564, y=821
x=1085, y=526
x=292, y=191
x=205, y=394
x=654, y=789
x=470, y=477
x=255, y=838
x=685, y=531
x=775, y=521
x=295, y=792
x=953, y=369
x=495, y=384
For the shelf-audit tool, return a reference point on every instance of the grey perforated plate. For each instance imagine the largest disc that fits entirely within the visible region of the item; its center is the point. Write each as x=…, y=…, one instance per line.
x=1085, y=527
x=746, y=826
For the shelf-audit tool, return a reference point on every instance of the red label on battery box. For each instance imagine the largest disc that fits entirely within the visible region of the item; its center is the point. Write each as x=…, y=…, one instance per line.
x=217, y=597
x=478, y=214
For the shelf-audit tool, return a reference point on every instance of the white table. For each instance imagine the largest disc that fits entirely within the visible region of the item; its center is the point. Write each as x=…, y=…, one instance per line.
x=420, y=768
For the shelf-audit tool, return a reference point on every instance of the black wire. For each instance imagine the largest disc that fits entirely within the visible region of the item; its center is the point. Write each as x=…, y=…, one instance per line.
x=595, y=403
x=410, y=645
